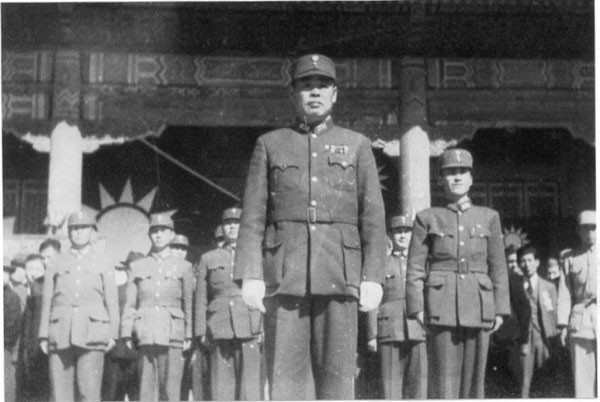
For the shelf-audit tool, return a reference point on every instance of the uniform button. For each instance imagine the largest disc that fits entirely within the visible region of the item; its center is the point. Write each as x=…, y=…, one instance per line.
x=344, y=164
x=462, y=260
x=462, y=276
x=314, y=179
x=327, y=147
x=313, y=227
x=462, y=243
x=314, y=154
x=231, y=275
x=79, y=268
x=333, y=286
x=461, y=228
x=158, y=282
x=231, y=303
x=77, y=282
x=76, y=294
x=157, y=294
x=313, y=135
x=313, y=203
x=156, y=307
x=160, y=271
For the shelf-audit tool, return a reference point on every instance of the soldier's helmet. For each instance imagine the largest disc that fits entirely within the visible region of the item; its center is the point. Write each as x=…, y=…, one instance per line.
x=161, y=220
x=313, y=64
x=232, y=213
x=82, y=218
x=455, y=157
x=400, y=221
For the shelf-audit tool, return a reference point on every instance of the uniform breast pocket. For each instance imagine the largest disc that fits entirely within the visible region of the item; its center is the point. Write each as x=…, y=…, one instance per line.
x=486, y=295
x=479, y=237
x=342, y=172
x=285, y=176
x=443, y=244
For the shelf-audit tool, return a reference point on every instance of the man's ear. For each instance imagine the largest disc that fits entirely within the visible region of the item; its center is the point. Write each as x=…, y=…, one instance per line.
x=335, y=93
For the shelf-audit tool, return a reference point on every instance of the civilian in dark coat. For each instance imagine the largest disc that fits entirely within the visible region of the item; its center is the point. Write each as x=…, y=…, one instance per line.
x=12, y=326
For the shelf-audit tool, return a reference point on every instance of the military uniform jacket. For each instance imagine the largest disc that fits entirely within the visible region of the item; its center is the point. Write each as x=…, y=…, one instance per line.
x=313, y=217
x=457, y=270
x=79, y=302
x=577, y=293
x=389, y=323
x=158, y=306
x=220, y=310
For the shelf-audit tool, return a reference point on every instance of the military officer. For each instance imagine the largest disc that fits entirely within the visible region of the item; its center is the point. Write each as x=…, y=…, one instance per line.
x=400, y=340
x=577, y=312
x=458, y=280
x=158, y=309
x=223, y=319
x=80, y=314
x=179, y=246
x=312, y=240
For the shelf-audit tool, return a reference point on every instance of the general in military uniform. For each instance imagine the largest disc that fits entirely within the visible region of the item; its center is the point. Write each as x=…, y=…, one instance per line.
x=80, y=314
x=577, y=313
x=399, y=340
x=457, y=279
x=158, y=309
x=224, y=321
x=312, y=240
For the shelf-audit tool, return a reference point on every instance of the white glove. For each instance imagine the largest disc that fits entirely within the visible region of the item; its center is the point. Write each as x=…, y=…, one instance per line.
x=253, y=292
x=370, y=295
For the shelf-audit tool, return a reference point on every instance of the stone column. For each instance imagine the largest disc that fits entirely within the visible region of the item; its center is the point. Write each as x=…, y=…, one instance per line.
x=414, y=142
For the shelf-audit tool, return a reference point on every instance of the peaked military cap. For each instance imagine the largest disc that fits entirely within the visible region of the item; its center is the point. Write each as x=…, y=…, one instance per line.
x=8, y=266
x=400, y=221
x=18, y=260
x=180, y=240
x=232, y=213
x=313, y=64
x=586, y=218
x=161, y=220
x=82, y=218
x=456, y=157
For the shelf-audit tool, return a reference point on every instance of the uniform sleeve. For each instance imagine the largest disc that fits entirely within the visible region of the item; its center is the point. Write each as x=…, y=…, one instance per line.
x=129, y=310
x=12, y=319
x=111, y=299
x=47, y=293
x=201, y=301
x=564, y=294
x=188, y=299
x=415, y=271
x=497, y=269
x=248, y=259
x=371, y=216
x=520, y=306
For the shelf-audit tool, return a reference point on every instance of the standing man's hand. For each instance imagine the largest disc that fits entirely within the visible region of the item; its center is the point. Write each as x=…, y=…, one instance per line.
x=187, y=344
x=253, y=293
x=420, y=317
x=111, y=344
x=370, y=296
x=497, y=323
x=563, y=336
x=44, y=346
x=372, y=345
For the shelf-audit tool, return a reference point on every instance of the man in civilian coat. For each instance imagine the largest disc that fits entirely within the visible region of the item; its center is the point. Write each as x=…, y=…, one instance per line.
x=312, y=241
x=226, y=323
x=577, y=312
x=80, y=314
x=400, y=340
x=158, y=308
x=457, y=281
x=12, y=326
x=534, y=300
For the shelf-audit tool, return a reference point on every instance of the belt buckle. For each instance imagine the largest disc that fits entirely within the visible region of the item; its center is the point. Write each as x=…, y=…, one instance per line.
x=311, y=214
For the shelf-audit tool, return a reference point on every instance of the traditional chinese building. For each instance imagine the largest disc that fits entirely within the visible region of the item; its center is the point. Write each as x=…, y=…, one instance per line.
x=169, y=98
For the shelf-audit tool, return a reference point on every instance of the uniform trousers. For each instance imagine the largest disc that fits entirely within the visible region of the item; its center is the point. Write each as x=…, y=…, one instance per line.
x=457, y=359
x=161, y=370
x=186, y=376
x=404, y=370
x=72, y=366
x=120, y=379
x=10, y=381
x=235, y=370
x=310, y=345
x=537, y=356
x=584, y=361
x=200, y=375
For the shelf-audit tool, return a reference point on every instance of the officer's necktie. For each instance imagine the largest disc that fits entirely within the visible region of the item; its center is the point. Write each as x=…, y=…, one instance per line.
x=528, y=286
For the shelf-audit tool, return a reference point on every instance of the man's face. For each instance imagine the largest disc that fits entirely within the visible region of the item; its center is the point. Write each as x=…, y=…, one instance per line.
x=80, y=236
x=34, y=269
x=513, y=263
x=314, y=97
x=401, y=238
x=456, y=181
x=587, y=234
x=230, y=229
x=161, y=236
x=18, y=276
x=553, y=269
x=179, y=251
x=48, y=254
x=529, y=264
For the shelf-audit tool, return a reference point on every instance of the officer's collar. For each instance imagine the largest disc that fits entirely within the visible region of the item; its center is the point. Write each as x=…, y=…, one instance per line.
x=82, y=251
x=320, y=128
x=460, y=206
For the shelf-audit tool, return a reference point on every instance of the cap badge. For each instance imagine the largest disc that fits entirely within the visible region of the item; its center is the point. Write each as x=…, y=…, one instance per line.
x=315, y=60
x=458, y=156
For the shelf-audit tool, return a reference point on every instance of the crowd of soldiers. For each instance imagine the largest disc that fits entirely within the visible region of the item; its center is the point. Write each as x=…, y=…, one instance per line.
x=272, y=312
